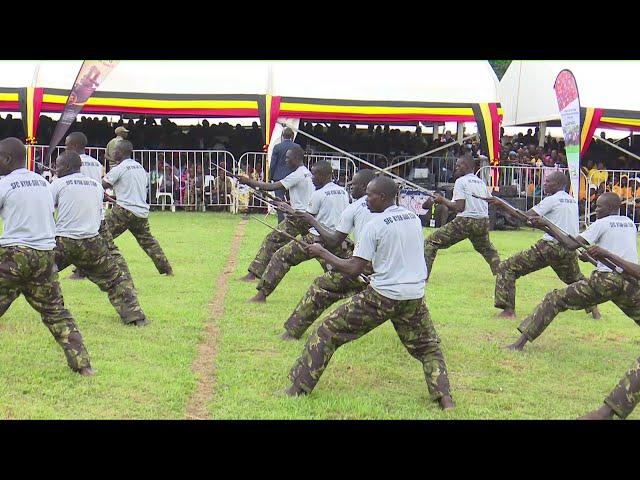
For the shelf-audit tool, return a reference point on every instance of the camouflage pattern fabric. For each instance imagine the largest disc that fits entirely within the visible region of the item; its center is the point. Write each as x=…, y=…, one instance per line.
x=542, y=254
x=325, y=290
x=32, y=273
x=475, y=229
x=115, y=253
x=275, y=240
x=92, y=256
x=120, y=219
x=292, y=254
x=364, y=312
x=600, y=287
x=626, y=395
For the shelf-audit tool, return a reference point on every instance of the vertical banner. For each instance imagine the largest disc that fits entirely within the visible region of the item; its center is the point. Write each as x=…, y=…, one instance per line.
x=92, y=73
x=30, y=106
x=569, y=105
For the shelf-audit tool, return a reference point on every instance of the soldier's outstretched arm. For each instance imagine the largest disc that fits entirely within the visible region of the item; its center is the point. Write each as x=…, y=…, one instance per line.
x=352, y=266
x=331, y=237
x=258, y=184
x=457, y=206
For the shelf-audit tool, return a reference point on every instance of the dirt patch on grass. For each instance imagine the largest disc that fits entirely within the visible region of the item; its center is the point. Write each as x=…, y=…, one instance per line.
x=204, y=363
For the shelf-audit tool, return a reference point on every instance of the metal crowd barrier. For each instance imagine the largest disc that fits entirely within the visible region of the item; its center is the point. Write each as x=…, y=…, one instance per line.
x=440, y=168
x=193, y=179
x=253, y=164
x=526, y=182
x=626, y=183
x=45, y=166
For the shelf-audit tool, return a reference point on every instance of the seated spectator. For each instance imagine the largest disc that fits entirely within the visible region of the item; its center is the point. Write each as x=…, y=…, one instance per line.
x=600, y=175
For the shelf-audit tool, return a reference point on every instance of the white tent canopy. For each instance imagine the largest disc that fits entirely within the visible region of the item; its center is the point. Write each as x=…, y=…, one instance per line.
x=415, y=81
x=418, y=81
x=527, y=96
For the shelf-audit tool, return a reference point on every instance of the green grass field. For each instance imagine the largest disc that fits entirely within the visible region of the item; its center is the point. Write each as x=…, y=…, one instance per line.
x=147, y=373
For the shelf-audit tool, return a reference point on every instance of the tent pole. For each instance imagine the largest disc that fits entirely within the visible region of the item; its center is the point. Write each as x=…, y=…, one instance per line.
x=542, y=132
x=617, y=147
x=460, y=130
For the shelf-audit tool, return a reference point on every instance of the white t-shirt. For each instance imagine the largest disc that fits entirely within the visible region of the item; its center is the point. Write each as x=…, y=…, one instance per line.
x=79, y=202
x=615, y=233
x=91, y=168
x=27, y=211
x=300, y=187
x=394, y=243
x=355, y=217
x=327, y=204
x=463, y=190
x=562, y=210
x=129, y=180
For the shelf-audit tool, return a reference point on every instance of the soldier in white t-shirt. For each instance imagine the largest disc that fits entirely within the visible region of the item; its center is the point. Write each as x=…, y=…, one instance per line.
x=300, y=187
x=472, y=221
x=626, y=394
x=78, y=199
x=129, y=181
x=334, y=285
x=27, y=260
x=614, y=233
x=92, y=168
x=393, y=242
x=562, y=210
x=326, y=204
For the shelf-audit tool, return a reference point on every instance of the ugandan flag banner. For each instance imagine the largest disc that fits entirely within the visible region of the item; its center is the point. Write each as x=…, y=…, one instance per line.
x=569, y=105
x=92, y=73
x=30, y=100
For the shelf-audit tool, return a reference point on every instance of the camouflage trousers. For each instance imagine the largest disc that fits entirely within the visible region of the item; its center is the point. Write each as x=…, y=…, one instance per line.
x=325, y=290
x=364, y=312
x=599, y=288
x=292, y=254
x=93, y=257
x=114, y=252
x=32, y=273
x=119, y=220
x=626, y=395
x=475, y=229
x=274, y=241
x=542, y=254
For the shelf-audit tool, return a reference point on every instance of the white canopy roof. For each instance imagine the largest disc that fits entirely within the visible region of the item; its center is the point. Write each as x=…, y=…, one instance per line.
x=527, y=96
x=417, y=81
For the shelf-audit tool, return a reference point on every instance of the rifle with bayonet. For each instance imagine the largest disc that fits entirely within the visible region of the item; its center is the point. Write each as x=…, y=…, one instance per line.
x=302, y=243
x=556, y=232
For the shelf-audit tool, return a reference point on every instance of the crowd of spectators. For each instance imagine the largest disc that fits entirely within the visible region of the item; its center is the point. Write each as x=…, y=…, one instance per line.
x=185, y=178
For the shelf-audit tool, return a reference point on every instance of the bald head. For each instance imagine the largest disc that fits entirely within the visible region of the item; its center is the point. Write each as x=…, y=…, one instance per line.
x=76, y=141
x=464, y=166
x=322, y=173
x=295, y=156
x=384, y=186
x=555, y=182
x=607, y=204
x=13, y=155
x=68, y=162
x=123, y=150
x=360, y=181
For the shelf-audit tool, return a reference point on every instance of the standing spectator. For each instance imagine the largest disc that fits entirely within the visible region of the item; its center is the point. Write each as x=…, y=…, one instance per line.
x=121, y=134
x=278, y=168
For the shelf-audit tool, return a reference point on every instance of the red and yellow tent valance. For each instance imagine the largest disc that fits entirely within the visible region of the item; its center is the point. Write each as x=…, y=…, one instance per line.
x=194, y=105
x=487, y=116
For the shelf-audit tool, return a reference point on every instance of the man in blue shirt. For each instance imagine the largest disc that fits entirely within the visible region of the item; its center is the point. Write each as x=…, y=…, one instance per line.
x=278, y=168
